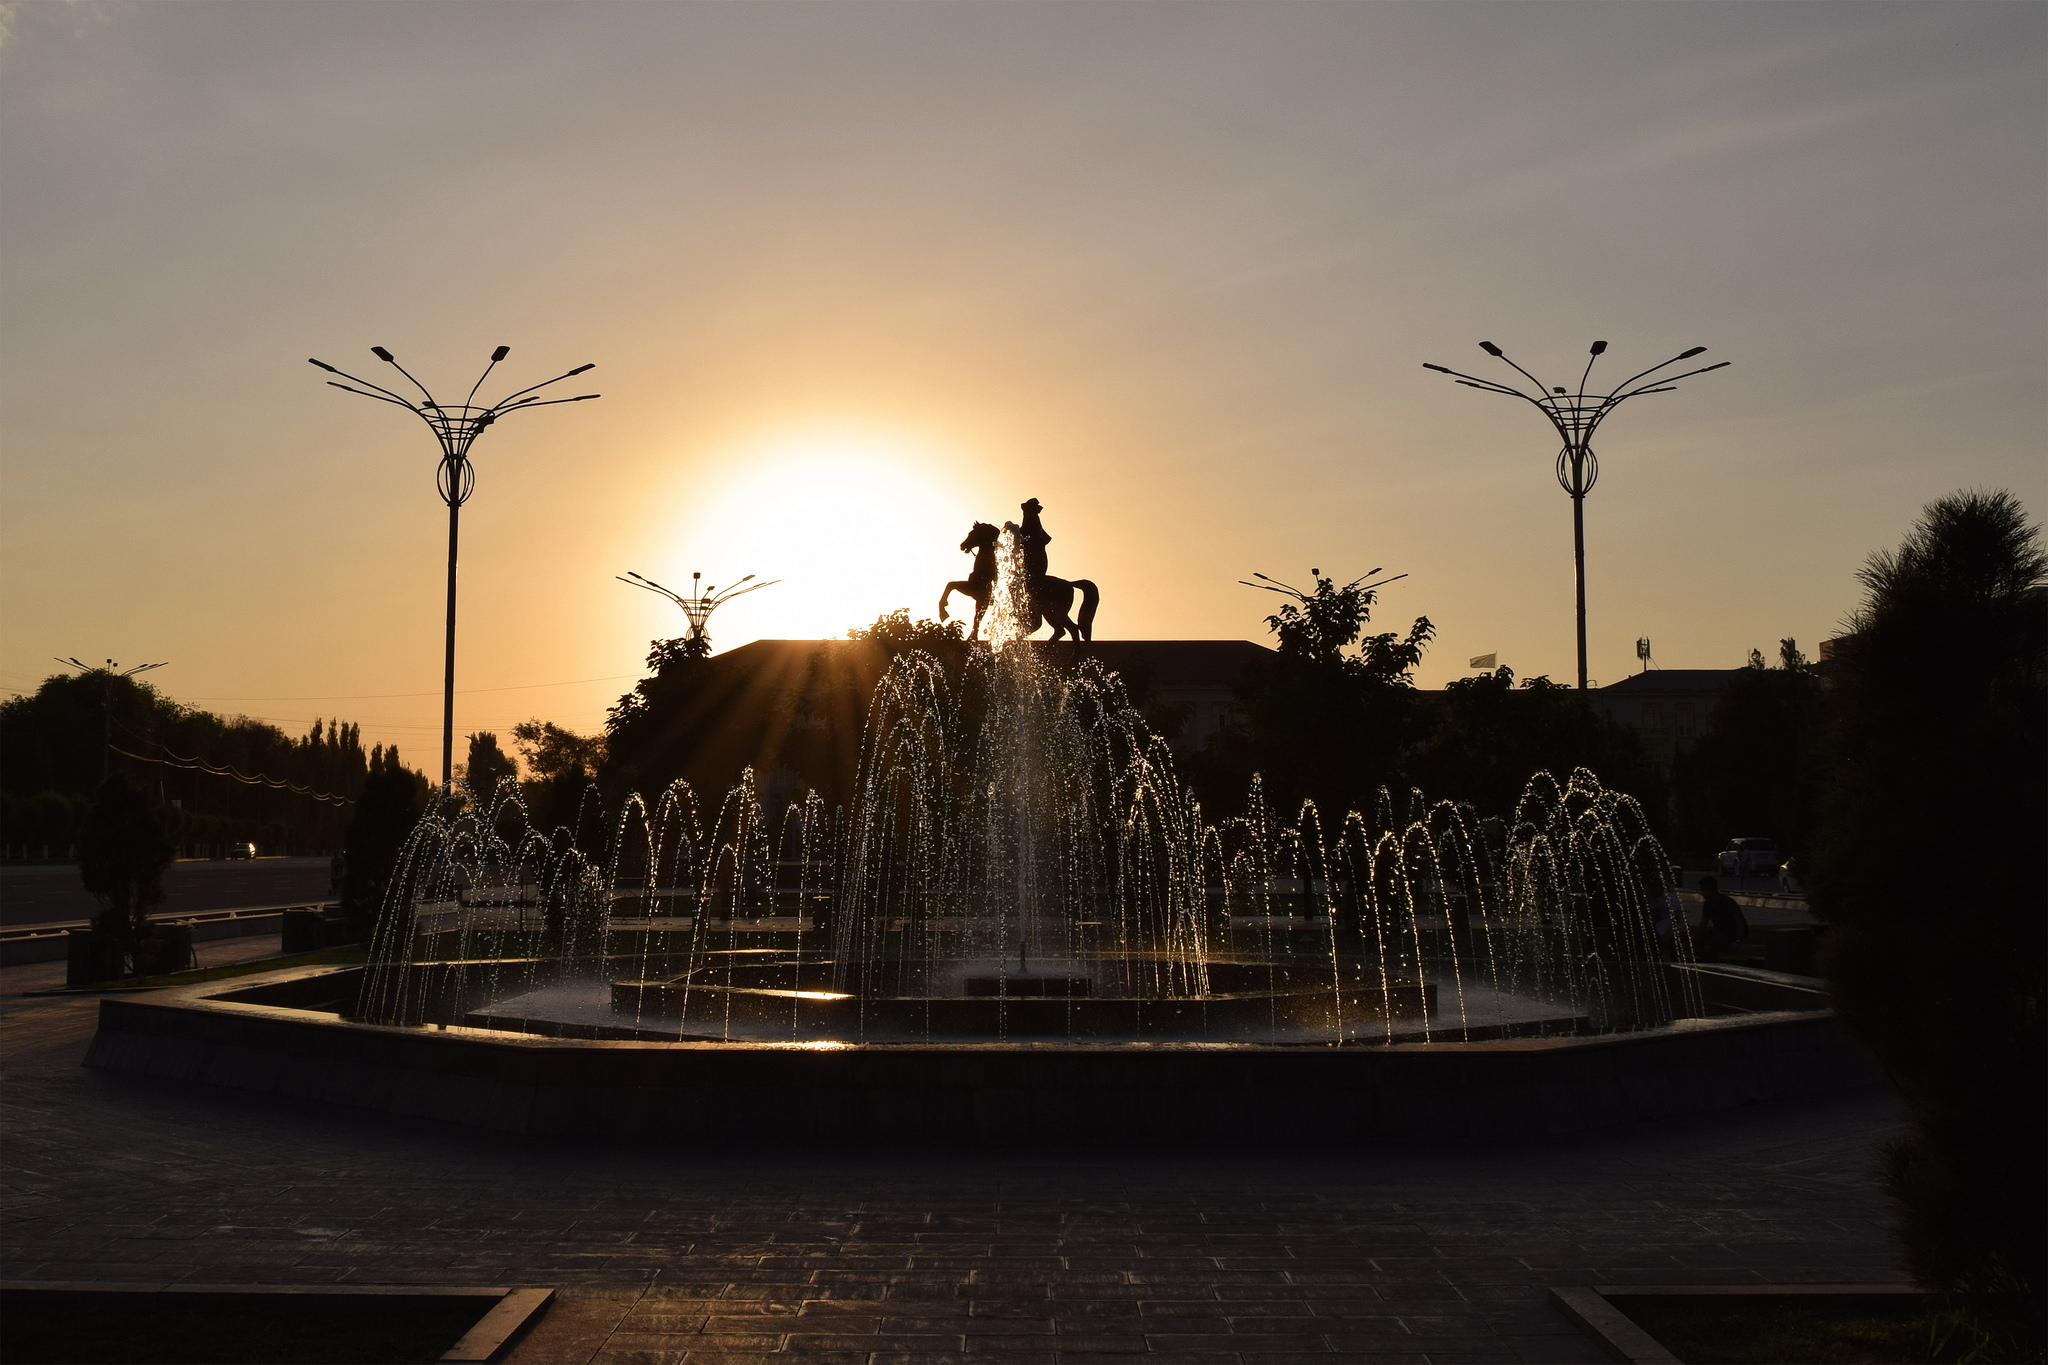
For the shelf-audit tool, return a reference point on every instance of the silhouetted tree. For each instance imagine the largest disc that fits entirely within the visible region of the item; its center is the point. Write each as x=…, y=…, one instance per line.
x=1938, y=762
x=560, y=764
x=1486, y=737
x=122, y=853
x=1321, y=722
x=895, y=633
x=1753, y=772
x=652, y=732
x=487, y=766
x=392, y=800
x=54, y=741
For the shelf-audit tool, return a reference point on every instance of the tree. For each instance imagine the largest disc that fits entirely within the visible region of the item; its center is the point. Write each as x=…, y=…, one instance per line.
x=122, y=855
x=895, y=633
x=560, y=764
x=1487, y=736
x=1753, y=772
x=1323, y=723
x=392, y=800
x=1930, y=871
x=487, y=766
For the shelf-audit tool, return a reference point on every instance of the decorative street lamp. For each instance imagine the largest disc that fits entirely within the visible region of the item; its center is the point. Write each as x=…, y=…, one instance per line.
x=110, y=673
x=456, y=426
x=698, y=605
x=1576, y=416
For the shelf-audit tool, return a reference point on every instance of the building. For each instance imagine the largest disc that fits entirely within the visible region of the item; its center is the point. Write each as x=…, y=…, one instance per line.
x=1200, y=675
x=1669, y=707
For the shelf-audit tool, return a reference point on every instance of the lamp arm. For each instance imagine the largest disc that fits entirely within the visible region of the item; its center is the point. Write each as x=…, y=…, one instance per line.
x=1652, y=370
x=415, y=383
x=1503, y=357
x=400, y=402
x=1673, y=379
x=541, y=403
x=500, y=404
x=471, y=399
x=360, y=380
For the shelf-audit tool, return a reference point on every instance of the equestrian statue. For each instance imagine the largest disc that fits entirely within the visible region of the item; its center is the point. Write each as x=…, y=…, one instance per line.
x=1048, y=599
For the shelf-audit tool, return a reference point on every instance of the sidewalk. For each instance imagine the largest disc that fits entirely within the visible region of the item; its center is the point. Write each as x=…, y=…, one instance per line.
x=683, y=1254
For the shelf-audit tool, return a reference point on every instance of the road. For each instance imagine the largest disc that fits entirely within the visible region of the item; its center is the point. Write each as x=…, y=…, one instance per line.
x=39, y=893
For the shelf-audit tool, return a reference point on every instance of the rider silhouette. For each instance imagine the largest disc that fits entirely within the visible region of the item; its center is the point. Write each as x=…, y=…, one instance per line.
x=1032, y=536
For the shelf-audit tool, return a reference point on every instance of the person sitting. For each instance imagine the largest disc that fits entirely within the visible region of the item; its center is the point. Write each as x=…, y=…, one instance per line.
x=1722, y=923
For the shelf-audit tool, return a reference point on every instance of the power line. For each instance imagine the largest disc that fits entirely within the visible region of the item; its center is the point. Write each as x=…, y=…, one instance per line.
x=389, y=696
x=234, y=774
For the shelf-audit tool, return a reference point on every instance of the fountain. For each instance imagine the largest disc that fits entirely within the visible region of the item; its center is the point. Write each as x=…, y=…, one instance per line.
x=1021, y=861
x=1021, y=925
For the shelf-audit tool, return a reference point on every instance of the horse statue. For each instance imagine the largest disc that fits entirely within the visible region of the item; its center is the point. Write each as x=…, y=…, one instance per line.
x=1048, y=599
x=980, y=584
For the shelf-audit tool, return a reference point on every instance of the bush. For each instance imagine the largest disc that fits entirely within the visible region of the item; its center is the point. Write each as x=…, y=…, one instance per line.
x=392, y=801
x=123, y=850
x=1938, y=759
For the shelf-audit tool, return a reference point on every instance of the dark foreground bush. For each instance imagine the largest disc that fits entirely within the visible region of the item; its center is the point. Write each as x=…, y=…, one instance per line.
x=1932, y=870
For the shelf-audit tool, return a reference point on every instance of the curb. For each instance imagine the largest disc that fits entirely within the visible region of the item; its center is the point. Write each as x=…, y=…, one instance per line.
x=494, y=1333
x=1614, y=1332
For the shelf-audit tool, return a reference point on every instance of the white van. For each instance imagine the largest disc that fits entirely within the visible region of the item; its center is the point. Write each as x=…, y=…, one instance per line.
x=1749, y=857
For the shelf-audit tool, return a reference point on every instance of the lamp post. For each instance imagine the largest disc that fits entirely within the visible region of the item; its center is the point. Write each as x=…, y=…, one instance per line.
x=110, y=672
x=456, y=426
x=1576, y=416
x=697, y=605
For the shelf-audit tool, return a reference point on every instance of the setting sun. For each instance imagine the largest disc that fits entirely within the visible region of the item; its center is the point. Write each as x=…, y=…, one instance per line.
x=852, y=524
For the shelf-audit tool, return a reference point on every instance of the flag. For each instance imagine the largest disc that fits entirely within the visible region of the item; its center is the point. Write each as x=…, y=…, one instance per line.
x=1485, y=661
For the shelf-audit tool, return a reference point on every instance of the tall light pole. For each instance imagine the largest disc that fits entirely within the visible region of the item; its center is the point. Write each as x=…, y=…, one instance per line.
x=110, y=672
x=456, y=426
x=1576, y=416
x=697, y=604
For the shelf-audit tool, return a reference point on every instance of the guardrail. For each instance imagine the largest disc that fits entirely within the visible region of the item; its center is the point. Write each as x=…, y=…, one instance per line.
x=26, y=943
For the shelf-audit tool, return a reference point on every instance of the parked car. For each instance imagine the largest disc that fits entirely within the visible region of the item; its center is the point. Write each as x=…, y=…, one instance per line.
x=1749, y=857
x=244, y=850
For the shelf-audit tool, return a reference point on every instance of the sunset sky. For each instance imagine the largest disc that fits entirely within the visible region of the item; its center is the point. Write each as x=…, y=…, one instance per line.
x=855, y=275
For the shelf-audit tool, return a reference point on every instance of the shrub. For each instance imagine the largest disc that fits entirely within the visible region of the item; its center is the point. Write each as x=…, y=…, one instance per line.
x=1930, y=868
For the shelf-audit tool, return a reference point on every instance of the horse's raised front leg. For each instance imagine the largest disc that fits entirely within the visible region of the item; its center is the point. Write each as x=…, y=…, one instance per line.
x=947, y=596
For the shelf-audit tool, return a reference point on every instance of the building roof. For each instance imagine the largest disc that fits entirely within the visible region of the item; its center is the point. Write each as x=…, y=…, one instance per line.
x=1178, y=663
x=1166, y=663
x=1656, y=681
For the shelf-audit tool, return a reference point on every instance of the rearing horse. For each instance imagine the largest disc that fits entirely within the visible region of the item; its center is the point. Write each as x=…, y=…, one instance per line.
x=981, y=583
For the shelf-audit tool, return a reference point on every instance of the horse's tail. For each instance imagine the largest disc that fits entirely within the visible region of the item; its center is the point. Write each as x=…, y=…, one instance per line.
x=1091, y=598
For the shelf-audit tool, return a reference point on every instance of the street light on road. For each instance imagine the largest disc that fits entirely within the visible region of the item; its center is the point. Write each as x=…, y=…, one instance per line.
x=456, y=426
x=1576, y=416
x=110, y=672
x=697, y=604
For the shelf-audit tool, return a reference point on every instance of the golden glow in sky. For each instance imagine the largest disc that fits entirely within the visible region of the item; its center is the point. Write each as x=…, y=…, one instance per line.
x=854, y=523
x=857, y=275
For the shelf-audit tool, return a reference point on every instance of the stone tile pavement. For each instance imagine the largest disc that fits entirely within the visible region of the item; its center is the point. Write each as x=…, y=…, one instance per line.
x=681, y=1253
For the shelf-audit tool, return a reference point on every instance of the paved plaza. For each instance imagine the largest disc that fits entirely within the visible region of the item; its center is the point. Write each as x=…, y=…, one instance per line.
x=678, y=1253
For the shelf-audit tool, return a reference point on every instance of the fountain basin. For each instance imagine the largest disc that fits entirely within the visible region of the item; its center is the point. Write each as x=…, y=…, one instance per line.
x=765, y=998
x=253, y=1037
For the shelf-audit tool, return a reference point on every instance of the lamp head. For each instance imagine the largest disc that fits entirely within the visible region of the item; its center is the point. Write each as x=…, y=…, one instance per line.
x=1688, y=355
x=581, y=368
x=1489, y=348
x=1425, y=365
x=323, y=365
x=1599, y=348
x=380, y=353
x=500, y=354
